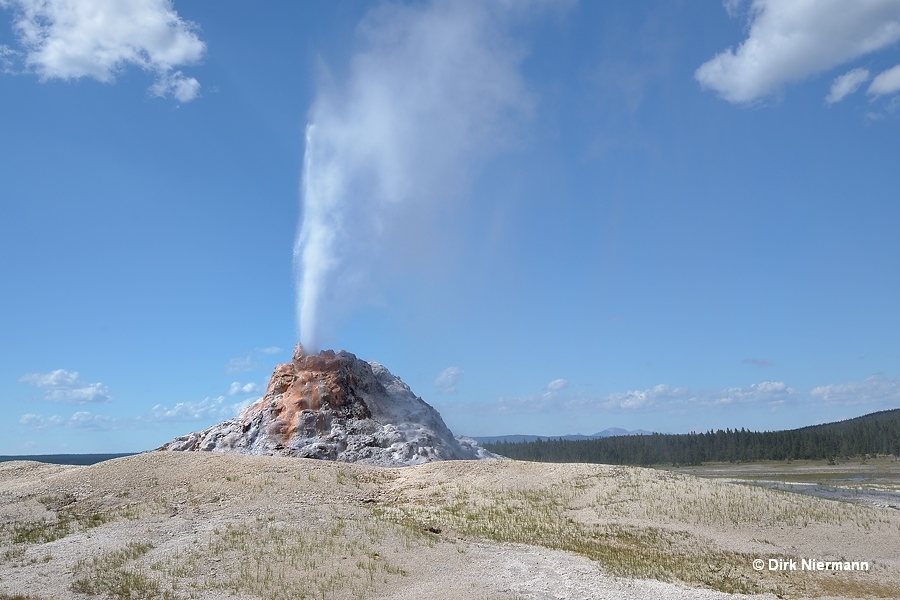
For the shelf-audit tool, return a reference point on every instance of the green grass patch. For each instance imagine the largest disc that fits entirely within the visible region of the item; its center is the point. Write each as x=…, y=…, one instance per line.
x=114, y=575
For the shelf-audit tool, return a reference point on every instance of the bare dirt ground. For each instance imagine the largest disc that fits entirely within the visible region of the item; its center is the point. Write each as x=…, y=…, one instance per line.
x=208, y=526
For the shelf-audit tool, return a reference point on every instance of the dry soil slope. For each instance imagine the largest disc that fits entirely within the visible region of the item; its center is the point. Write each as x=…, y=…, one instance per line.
x=208, y=525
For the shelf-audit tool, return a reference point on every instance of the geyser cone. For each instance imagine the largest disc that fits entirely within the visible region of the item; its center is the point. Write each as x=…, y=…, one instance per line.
x=332, y=405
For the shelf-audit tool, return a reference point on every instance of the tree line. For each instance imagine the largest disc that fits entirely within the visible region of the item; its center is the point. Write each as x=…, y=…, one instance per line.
x=869, y=435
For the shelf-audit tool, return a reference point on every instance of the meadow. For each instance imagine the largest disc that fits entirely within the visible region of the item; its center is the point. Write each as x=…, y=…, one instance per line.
x=196, y=525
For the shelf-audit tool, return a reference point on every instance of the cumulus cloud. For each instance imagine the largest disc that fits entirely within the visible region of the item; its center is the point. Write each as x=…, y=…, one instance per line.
x=31, y=419
x=654, y=397
x=237, y=388
x=846, y=84
x=875, y=390
x=71, y=39
x=176, y=84
x=789, y=41
x=67, y=386
x=88, y=420
x=447, y=379
x=886, y=82
x=208, y=409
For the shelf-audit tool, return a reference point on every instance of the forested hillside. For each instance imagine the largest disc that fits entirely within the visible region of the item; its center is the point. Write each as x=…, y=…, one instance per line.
x=876, y=433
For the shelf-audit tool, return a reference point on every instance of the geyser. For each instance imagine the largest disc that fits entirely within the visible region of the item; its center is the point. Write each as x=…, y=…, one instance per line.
x=434, y=91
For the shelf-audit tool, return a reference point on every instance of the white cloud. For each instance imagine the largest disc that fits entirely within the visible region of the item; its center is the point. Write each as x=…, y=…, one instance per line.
x=208, y=409
x=38, y=421
x=177, y=84
x=661, y=397
x=791, y=40
x=846, y=84
x=734, y=8
x=251, y=361
x=7, y=58
x=447, y=379
x=80, y=420
x=556, y=385
x=66, y=386
x=32, y=420
x=767, y=392
x=535, y=403
x=241, y=365
x=87, y=420
x=70, y=39
x=237, y=388
x=759, y=362
x=886, y=82
x=874, y=390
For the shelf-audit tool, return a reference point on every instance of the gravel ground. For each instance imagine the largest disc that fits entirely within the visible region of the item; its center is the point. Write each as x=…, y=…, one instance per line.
x=197, y=525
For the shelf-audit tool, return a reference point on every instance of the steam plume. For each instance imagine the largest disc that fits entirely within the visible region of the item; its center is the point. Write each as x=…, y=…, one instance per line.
x=434, y=92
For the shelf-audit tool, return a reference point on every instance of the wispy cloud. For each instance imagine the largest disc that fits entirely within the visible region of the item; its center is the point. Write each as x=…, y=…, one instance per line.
x=876, y=390
x=65, y=39
x=886, y=82
x=447, y=379
x=580, y=400
x=7, y=58
x=39, y=421
x=734, y=8
x=660, y=397
x=789, y=41
x=79, y=420
x=252, y=361
x=67, y=386
x=208, y=409
x=758, y=362
x=205, y=411
x=846, y=84
x=556, y=385
x=771, y=393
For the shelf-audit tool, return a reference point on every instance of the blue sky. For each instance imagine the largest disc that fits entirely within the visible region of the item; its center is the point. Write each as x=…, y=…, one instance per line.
x=545, y=217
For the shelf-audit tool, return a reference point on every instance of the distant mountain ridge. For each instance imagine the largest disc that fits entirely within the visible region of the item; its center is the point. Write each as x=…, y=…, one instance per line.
x=515, y=439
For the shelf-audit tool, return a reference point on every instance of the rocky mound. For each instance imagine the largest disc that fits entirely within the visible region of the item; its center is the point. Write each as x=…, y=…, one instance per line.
x=335, y=406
